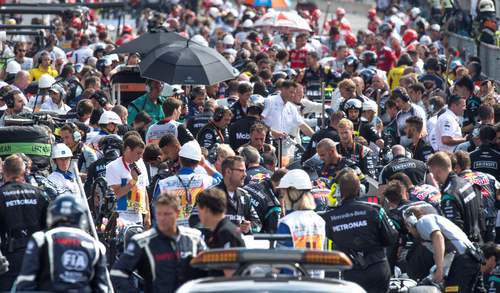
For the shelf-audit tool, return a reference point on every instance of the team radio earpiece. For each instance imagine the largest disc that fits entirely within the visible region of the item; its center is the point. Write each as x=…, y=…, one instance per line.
x=77, y=136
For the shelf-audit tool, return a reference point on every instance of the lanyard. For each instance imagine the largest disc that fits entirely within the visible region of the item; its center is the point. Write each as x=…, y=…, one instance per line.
x=125, y=165
x=186, y=189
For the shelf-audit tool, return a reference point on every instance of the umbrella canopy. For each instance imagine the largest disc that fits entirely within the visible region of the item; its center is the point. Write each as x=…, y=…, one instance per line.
x=283, y=20
x=186, y=63
x=149, y=41
x=268, y=3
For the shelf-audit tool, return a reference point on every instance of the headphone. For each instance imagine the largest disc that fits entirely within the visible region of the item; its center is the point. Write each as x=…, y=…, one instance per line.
x=101, y=98
x=219, y=113
x=43, y=53
x=77, y=136
x=410, y=218
x=9, y=98
x=403, y=95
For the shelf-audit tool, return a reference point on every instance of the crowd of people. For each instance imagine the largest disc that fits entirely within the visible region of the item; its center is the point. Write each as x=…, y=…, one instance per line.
x=383, y=144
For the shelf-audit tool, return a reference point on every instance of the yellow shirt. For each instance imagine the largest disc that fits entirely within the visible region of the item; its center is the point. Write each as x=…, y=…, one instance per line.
x=394, y=76
x=35, y=73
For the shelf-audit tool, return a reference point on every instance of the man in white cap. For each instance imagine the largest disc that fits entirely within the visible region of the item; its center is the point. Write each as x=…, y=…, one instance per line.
x=56, y=102
x=187, y=183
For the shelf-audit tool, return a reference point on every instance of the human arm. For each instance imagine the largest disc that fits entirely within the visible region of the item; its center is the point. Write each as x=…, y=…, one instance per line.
x=122, y=269
x=448, y=140
x=438, y=254
x=306, y=129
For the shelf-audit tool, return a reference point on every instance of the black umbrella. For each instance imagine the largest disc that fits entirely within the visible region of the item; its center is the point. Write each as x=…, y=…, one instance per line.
x=149, y=41
x=186, y=63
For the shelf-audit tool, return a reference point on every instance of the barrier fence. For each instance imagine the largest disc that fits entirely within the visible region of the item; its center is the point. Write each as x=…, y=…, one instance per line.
x=489, y=54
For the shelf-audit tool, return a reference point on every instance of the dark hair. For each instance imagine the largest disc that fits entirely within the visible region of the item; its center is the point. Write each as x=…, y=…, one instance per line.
x=170, y=105
x=390, y=104
x=405, y=59
x=168, y=139
x=454, y=100
x=282, y=54
x=418, y=87
x=91, y=80
x=485, y=112
x=151, y=153
x=185, y=162
x=487, y=133
x=133, y=142
x=288, y=84
x=394, y=191
x=269, y=159
x=313, y=54
x=131, y=133
x=214, y=199
x=259, y=127
x=416, y=122
x=491, y=249
x=403, y=178
x=278, y=174
x=229, y=163
x=244, y=88
x=197, y=91
x=467, y=82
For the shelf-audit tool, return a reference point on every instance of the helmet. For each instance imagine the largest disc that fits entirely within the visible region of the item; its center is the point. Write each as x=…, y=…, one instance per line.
x=58, y=88
x=296, y=178
x=409, y=36
x=415, y=11
x=350, y=39
x=370, y=105
x=127, y=29
x=191, y=150
x=351, y=60
x=385, y=27
x=110, y=117
x=368, y=58
x=372, y=12
x=340, y=11
x=200, y=40
x=353, y=104
x=486, y=6
x=45, y=81
x=111, y=146
x=248, y=23
x=13, y=67
x=425, y=40
x=367, y=75
x=256, y=101
x=228, y=40
x=61, y=150
x=65, y=209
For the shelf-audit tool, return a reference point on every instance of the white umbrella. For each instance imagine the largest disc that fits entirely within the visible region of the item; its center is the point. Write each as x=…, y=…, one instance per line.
x=283, y=20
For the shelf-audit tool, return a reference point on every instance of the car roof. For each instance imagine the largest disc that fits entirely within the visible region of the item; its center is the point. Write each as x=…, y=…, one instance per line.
x=280, y=284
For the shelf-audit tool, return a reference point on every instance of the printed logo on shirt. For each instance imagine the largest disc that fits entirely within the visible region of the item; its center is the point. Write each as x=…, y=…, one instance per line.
x=74, y=260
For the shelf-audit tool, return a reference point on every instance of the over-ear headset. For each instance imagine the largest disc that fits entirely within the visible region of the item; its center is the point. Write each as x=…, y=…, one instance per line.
x=101, y=98
x=410, y=218
x=43, y=53
x=402, y=94
x=77, y=136
x=219, y=113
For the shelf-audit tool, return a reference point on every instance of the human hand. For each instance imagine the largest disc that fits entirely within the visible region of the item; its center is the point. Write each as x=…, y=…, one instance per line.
x=245, y=226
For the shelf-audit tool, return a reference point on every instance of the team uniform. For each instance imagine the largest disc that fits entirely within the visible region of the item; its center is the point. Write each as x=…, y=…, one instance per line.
x=448, y=124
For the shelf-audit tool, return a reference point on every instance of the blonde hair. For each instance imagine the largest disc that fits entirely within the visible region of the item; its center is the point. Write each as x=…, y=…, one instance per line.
x=224, y=151
x=441, y=160
x=298, y=200
x=344, y=122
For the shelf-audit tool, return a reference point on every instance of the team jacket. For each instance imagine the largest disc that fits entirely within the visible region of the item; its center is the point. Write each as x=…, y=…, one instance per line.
x=210, y=135
x=162, y=261
x=462, y=205
x=362, y=156
x=23, y=210
x=486, y=159
x=239, y=131
x=63, y=259
x=266, y=204
x=238, y=209
x=413, y=168
x=194, y=124
x=361, y=230
x=487, y=185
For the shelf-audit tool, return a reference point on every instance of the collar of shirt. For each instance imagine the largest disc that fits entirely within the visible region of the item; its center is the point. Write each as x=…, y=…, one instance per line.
x=185, y=171
x=67, y=175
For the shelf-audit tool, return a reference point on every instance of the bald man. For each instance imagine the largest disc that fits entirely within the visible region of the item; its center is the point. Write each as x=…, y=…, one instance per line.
x=400, y=162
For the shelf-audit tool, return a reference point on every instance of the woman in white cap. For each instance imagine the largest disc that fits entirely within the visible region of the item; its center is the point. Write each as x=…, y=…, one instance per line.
x=62, y=179
x=305, y=226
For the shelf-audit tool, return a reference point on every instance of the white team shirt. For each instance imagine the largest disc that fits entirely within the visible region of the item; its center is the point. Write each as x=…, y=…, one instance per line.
x=281, y=116
x=447, y=125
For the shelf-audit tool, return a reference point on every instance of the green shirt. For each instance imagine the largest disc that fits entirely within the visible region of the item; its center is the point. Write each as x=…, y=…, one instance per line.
x=144, y=103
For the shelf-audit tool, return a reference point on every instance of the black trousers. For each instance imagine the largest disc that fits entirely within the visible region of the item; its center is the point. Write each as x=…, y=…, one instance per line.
x=374, y=279
x=463, y=274
x=15, y=262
